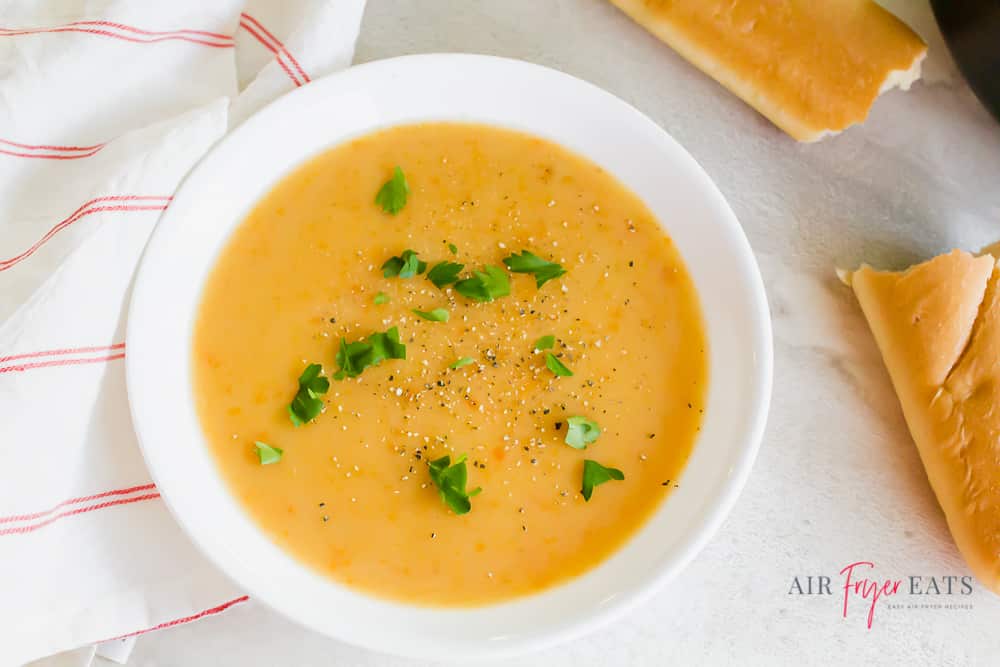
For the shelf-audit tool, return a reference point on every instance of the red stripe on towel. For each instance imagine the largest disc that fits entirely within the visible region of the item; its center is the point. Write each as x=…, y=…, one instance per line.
x=129, y=28
x=87, y=209
x=129, y=33
x=180, y=621
x=68, y=350
x=75, y=501
x=272, y=49
x=80, y=510
x=50, y=148
x=18, y=368
x=50, y=156
x=277, y=42
x=47, y=152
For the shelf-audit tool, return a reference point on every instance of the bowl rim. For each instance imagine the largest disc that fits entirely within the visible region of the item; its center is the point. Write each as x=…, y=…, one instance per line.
x=760, y=333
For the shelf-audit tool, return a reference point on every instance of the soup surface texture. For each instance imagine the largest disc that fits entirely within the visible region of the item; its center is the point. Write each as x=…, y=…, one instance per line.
x=352, y=494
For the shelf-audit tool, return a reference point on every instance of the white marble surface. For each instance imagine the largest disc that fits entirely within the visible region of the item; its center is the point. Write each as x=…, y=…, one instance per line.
x=838, y=479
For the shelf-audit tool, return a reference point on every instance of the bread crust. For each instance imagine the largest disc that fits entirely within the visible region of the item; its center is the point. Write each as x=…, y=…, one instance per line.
x=812, y=67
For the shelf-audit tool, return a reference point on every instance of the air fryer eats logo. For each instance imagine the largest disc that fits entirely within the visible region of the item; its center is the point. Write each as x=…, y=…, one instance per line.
x=858, y=585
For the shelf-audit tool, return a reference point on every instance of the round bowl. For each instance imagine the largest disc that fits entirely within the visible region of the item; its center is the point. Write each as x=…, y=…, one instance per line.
x=225, y=185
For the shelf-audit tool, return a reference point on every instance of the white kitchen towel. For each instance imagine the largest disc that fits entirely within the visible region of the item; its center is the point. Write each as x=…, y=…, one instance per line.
x=104, y=107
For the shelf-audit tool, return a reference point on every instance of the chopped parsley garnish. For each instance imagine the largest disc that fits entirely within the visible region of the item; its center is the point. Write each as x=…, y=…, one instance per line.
x=527, y=262
x=594, y=474
x=307, y=403
x=557, y=366
x=451, y=479
x=453, y=248
x=436, y=315
x=392, y=195
x=353, y=358
x=267, y=453
x=545, y=343
x=463, y=361
x=485, y=285
x=581, y=432
x=381, y=298
x=444, y=273
x=404, y=266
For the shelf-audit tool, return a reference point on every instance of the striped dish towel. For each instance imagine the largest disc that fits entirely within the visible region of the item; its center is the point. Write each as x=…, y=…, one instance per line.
x=104, y=106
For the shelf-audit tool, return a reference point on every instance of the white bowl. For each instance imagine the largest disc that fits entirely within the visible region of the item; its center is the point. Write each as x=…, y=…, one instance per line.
x=224, y=187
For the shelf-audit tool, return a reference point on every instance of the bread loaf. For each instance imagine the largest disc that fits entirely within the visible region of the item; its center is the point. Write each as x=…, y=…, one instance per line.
x=937, y=326
x=813, y=67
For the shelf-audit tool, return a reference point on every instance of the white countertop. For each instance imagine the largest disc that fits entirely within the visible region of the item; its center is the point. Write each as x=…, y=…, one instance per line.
x=838, y=479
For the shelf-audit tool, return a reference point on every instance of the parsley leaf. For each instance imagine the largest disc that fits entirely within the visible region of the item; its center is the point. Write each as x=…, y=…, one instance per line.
x=545, y=343
x=386, y=345
x=267, y=453
x=353, y=358
x=485, y=285
x=444, y=273
x=307, y=403
x=381, y=298
x=557, y=366
x=450, y=479
x=404, y=266
x=392, y=195
x=581, y=432
x=526, y=262
x=463, y=361
x=595, y=474
x=436, y=315
x=453, y=248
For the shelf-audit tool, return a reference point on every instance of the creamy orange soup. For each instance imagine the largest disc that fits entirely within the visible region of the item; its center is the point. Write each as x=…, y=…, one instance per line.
x=352, y=495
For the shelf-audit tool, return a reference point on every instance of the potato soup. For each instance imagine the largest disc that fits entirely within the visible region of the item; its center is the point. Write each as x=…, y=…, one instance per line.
x=450, y=364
